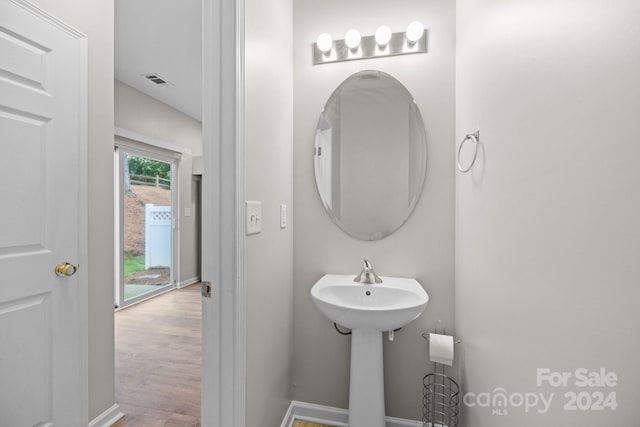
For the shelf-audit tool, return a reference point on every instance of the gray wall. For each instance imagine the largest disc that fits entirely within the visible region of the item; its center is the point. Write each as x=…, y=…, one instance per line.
x=269, y=152
x=547, y=225
x=422, y=248
x=95, y=18
x=145, y=115
x=390, y=143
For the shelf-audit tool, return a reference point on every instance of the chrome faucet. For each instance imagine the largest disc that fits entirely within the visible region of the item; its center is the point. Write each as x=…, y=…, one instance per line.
x=367, y=275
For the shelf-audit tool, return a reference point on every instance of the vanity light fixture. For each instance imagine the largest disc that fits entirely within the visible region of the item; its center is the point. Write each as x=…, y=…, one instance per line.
x=383, y=43
x=414, y=32
x=352, y=39
x=324, y=43
x=383, y=36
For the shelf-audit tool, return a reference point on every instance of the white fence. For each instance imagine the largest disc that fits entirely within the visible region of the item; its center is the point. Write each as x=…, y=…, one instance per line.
x=157, y=236
x=154, y=181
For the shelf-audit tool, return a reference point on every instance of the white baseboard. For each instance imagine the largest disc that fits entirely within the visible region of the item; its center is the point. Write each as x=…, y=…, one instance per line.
x=108, y=417
x=189, y=281
x=332, y=416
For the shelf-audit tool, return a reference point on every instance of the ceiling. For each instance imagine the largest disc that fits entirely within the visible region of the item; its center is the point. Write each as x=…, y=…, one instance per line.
x=161, y=37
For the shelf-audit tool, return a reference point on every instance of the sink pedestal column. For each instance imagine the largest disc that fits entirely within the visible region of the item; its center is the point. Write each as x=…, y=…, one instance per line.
x=366, y=388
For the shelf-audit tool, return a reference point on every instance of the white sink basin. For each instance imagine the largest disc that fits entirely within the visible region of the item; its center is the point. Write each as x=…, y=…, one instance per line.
x=368, y=310
x=382, y=306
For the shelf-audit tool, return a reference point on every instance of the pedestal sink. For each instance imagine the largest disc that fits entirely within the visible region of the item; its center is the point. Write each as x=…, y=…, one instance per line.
x=368, y=310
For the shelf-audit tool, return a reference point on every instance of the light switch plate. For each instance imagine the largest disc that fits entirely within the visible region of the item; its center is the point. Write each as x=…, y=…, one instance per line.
x=254, y=217
x=187, y=212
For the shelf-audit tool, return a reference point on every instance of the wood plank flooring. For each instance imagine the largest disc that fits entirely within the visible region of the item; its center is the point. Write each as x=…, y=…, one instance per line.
x=158, y=357
x=299, y=423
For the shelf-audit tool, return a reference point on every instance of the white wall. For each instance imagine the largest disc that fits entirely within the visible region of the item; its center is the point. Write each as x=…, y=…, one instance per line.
x=95, y=18
x=143, y=114
x=547, y=225
x=422, y=248
x=269, y=152
x=140, y=113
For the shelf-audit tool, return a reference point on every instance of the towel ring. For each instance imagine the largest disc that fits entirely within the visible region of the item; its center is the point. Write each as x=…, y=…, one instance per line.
x=475, y=138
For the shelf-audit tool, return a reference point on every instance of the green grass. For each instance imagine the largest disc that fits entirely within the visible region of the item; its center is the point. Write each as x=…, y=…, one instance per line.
x=133, y=264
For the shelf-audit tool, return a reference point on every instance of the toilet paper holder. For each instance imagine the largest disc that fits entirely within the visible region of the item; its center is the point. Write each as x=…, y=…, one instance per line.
x=425, y=335
x=440, y=394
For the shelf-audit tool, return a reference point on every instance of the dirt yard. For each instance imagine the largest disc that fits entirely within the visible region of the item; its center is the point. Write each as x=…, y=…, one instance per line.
x=134, y=214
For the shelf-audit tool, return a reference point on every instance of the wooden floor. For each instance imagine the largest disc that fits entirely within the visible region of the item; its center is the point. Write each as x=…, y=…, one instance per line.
x=298, y=423
x=158, y=353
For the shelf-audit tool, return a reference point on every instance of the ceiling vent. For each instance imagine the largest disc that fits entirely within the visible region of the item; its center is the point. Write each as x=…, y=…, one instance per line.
x=156, y=79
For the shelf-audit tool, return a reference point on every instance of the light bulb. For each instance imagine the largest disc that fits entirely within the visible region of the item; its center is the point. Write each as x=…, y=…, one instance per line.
x=324, y=43
x=352, y=39
x=414, y=31
x=383, y=36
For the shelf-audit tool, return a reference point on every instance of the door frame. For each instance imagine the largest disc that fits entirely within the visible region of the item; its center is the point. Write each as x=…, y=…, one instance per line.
x=83, y=225
x=223, y=213
x=139, y=148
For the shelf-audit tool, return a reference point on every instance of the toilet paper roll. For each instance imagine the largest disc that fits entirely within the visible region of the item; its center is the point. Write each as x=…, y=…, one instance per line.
x=441, y=349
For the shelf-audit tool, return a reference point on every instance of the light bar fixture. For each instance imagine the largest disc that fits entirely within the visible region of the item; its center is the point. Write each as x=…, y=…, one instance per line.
x=383, y=43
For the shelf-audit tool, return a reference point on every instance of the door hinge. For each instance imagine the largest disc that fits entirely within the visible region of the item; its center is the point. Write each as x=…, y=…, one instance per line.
x=206, y=289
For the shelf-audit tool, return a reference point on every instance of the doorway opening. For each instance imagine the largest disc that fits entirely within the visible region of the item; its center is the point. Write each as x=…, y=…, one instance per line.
x=159, y=148
x=202, y=119
x=158, y=316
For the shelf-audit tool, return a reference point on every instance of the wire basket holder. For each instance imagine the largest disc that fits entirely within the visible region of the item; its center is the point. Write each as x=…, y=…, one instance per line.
x=440, y=396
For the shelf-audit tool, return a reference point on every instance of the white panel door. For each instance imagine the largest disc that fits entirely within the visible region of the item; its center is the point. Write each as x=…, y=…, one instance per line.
x=41, y=132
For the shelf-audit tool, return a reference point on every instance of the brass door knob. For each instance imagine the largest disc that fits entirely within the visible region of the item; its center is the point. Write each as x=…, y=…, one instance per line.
x=65, y=269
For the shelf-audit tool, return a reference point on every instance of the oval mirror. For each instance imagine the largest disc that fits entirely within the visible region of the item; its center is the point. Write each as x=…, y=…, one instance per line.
x=370, y=155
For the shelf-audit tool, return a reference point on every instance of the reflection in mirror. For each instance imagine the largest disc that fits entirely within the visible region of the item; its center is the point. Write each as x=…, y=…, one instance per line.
x=370, y=155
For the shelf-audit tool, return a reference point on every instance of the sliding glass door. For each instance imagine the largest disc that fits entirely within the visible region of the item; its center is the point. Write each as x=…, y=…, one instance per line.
x=146, y=232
